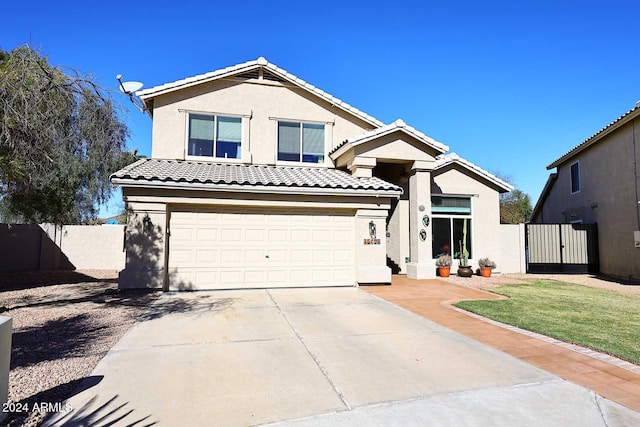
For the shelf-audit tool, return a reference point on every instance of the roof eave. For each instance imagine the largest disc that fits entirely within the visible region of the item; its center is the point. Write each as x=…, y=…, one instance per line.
x=171, y=185
x=500, y=184
x=631, y=115
x=149, y=94
x=543, y=195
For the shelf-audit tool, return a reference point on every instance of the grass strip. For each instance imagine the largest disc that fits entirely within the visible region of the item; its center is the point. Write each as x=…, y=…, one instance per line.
x=602, y=320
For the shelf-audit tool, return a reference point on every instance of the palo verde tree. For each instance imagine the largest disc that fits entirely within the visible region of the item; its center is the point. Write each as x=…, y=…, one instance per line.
x=61, y=137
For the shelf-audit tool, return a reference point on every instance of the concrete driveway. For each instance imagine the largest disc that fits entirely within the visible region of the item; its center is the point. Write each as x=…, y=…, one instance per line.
x=337, y=356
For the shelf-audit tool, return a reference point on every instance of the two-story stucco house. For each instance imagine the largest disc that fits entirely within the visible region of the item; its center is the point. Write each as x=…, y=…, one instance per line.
x=598, y=182
x=259, y=179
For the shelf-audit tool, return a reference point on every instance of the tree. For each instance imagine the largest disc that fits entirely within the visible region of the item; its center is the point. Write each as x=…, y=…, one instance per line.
x=60, y=138
x=515, y=207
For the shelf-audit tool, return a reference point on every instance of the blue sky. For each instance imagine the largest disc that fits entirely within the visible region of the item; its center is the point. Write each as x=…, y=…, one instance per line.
x=508, y=85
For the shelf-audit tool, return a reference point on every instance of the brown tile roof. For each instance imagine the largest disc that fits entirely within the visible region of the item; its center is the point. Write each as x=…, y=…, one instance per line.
x=217, y=175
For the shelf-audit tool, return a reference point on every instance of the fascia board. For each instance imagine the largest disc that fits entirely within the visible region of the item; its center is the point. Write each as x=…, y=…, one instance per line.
x=254, y=189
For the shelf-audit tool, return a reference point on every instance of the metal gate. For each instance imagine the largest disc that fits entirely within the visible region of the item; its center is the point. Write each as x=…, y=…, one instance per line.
x=562, y=248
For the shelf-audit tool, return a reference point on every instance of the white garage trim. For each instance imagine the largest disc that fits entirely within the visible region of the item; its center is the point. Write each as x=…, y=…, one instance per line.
x=232, y=248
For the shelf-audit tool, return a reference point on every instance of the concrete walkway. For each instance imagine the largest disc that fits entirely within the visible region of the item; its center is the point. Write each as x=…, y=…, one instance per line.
x=336, y=356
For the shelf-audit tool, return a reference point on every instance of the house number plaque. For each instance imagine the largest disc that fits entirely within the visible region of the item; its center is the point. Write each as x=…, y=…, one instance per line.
x=423, y=235
x=373, y=235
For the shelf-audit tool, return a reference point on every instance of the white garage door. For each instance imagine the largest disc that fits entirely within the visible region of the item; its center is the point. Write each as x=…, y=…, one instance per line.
x=231, y=248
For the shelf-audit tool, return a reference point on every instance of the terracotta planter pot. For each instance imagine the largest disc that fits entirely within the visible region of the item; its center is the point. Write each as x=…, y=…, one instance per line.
x=444, y=271
x=465, y=271
x=485, y=271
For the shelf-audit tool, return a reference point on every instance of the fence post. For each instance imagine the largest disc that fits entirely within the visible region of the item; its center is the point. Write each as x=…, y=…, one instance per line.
x=5, y=361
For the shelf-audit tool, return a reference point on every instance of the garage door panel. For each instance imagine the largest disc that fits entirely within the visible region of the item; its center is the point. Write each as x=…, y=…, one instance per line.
x=300, y=255
x=183, y=257
x=321, y=276
x=187, y=218
x=300, y=276
x=278, y=256
x=230, y=235
x=254, y=256
x=254, y=277
x=231, y=248
x=231, y=256
x=278, y=235
x=300, y=235
x=254, y=235
x=207, y=234
x=320, y=236
x=206, y=256
x=179, y=233
x=343, y=257
x=320, y=256
x=341, y=236
x=207, y=276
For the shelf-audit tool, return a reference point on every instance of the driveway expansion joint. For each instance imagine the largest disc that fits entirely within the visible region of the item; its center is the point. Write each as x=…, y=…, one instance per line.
x=313, y=356
x=596, y=399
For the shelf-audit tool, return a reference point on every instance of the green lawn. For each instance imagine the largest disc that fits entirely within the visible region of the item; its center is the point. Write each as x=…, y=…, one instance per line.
x=602, y=320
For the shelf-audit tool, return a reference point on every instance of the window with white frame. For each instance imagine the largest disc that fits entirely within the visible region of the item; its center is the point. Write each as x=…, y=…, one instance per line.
x=575, y=177
x=214, y=136
x=449, y=215
x=301, y=142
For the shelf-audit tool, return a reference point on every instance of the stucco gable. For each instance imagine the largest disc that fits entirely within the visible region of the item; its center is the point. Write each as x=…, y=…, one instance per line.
x=260, y=64
x=453, y=160
x=396, y=140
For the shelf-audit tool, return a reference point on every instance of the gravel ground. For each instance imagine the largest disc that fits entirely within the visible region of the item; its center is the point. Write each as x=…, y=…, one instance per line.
x=63, y=324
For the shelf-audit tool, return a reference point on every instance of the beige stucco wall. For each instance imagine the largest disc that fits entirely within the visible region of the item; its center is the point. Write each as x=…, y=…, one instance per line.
x=485, y=208
x=145, y=247
x=371, y=258
x=607, y=197
x=90, y=247
x=512, y=258
x=260, y=105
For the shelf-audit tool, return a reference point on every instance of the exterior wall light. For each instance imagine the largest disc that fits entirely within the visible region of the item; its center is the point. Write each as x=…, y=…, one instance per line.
x=147, y=225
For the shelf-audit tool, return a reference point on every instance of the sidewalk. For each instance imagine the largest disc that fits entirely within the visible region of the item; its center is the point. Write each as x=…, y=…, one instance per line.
x=432, y=299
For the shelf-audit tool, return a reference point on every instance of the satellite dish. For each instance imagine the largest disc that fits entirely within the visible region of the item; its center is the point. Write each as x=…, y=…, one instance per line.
x=130, y=87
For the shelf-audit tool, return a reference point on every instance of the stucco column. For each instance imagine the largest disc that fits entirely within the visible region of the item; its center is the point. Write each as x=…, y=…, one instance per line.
x=145, y=246
x=362, y=167
x=371, y=247
x=422, y=265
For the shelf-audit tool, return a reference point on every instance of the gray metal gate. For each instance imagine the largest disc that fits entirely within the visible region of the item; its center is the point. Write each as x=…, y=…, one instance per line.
x=562, y=248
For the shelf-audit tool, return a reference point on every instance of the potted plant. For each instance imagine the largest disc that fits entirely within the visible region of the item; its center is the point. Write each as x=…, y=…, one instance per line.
x=464, y=269
x=444, y=265
x=486, y=265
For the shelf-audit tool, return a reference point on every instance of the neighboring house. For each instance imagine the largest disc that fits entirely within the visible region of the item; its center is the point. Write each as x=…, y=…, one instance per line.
x=597, y=182
x=259, y=179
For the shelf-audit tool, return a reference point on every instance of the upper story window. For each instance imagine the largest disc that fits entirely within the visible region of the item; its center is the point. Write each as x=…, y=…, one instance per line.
x=214, y=136
x=575, y=177
x=301, y=142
